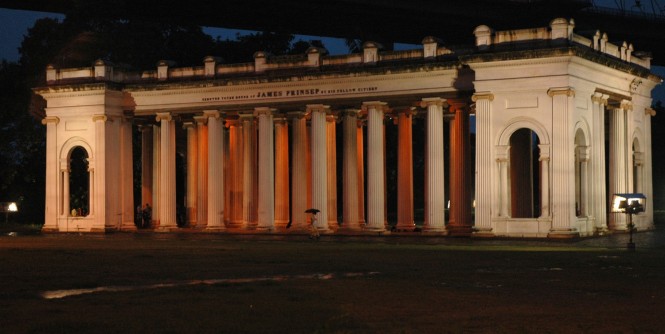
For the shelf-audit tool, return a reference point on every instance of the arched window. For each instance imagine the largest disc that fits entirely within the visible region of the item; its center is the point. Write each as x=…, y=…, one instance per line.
x=79, y=182
x=525, y=201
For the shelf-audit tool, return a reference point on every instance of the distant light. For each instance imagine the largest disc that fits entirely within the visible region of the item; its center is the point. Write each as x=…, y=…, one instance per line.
x=12, y=207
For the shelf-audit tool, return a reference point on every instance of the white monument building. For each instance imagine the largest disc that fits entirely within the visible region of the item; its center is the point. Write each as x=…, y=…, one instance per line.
x=562, y=122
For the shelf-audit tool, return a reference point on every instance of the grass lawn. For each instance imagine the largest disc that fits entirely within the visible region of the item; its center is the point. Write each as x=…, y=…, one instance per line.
x=157, y=284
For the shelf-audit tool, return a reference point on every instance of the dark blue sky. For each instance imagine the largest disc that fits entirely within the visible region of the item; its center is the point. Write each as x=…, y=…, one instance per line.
x=15, y=24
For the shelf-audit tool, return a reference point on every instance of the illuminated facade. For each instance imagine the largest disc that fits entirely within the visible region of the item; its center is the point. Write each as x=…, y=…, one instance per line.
x=560, y=121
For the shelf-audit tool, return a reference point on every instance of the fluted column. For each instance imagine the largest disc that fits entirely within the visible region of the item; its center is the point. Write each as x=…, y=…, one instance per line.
x=167, y=191
x=235, y=180
x=281, y=172
x=215, y=171
x=598, y=192
x=435, y=203
x=617, y=163
x=266, y=181
x=375, y=167
x=319, y=164
x=331, y=164
x=563, y=164
x=249, y=171
x=484, y=164
x=361, y=172
x=202, y=171
x=192, y=170
x=299, y=171
x=460, y=174
x=350, y=171
x=405, y=170
x=99, y=195
x=146, y=164
x=126, y=187
x=51, y=211
x=156, y=171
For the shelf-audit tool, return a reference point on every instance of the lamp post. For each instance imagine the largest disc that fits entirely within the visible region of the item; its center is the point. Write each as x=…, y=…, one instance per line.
x=629, y=204
x=8, y=207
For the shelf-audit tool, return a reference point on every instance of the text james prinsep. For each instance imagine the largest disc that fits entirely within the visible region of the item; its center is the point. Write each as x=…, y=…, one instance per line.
x=290, y=93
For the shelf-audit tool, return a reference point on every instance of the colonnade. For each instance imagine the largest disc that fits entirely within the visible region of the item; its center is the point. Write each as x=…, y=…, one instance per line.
x=244, y=174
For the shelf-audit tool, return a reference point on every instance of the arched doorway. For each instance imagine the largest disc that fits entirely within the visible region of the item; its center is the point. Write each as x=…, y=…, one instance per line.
x=524, y=174
x=79, y=182
x=638, y=187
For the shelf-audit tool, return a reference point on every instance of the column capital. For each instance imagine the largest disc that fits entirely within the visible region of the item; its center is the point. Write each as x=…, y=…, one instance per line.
x=428, y=101
x=568, y=91
x=246, y=116
x=626, y=105
x=649, y=112
x=232, y=122
x=482, y=96
x=410, y=111
x=377, y=105
x=52, y=119
x=163, y=116
x=317, y=107
x=582, y=153
x=212, y=114
x=188, y=125
x=599, y=98
x=298, y=114
x=201, y=120
x=502, y=152
x=544, y=152
x=258, y=111
x=97, y=118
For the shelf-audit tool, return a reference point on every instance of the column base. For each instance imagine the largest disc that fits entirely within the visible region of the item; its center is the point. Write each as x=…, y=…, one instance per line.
x=484, y=232
x=236, y=224
x=460, y=230
x=163, y=229
x=569, y=233
x=441, y=230
x=215, y=229
x=128, y=228
x=405, y=227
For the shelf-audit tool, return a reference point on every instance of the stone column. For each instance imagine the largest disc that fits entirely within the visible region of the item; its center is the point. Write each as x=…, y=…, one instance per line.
x=281, y=172
x=502, y=158
x=459, y=222
x=192, y=169
x=361, y=173
x=215, y=171
x=544, y=159
x=202, y=171
x=126, y=188
x=66, y=195
x=156, y=171
x=563, y=164
x=405, y=170
x=617, y=162
x=435, y=203
x=319, y=164
x=299, y=171
x=249, y=171
x=484, y=165
x=266, y=166
x=583, y=158
x=51, y=211
x=236, y=157
x=350, y=172
x=331, y=165
x=599, y=196
x=647, y=172
x=99, y=196
x=375, y=167
x=146, y=164
x=167, y=207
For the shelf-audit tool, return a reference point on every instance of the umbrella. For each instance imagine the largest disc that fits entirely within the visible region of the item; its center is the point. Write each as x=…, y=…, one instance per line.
x=312, y=210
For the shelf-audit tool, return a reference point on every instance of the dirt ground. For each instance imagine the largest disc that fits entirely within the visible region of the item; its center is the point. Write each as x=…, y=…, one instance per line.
x=200, y=283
